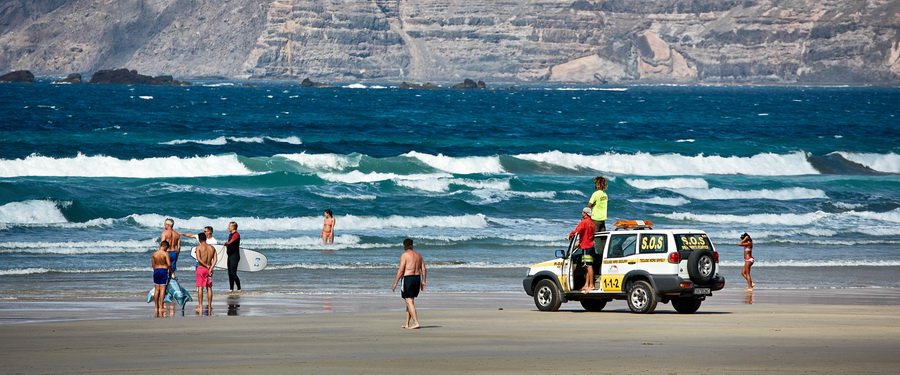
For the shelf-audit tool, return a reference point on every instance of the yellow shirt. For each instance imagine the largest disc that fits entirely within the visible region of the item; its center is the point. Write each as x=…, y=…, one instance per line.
x=598, y=202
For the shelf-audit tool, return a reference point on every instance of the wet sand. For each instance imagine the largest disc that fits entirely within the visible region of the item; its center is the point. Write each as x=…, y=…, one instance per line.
x=779, y=332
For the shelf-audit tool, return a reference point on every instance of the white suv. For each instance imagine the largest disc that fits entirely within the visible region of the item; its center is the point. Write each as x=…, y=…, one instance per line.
x=639, y=264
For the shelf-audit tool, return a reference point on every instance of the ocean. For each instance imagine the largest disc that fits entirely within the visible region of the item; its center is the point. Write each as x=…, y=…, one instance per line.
x=486, y=182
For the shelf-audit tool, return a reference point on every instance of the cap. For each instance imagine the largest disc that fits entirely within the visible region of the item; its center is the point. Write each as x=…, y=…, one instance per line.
x=586, y=210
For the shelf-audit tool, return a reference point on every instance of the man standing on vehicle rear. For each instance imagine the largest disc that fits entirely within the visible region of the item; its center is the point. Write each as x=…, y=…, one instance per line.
x=598, y=204
x=585, y=230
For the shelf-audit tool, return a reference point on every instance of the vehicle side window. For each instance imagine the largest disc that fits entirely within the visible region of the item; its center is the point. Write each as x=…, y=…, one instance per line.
x=653, y=243
x=622, y=245
x=599, y=244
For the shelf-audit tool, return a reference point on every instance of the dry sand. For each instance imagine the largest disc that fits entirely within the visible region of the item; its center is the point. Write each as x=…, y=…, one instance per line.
x=725, y=338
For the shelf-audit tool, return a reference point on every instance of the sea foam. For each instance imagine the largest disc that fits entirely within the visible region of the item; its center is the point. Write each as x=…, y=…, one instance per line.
x=294, y=140
x=644, y=164
x=313, y=223
x=106, y=166
x=888, y=163
x=462, y=165
x=32, y=212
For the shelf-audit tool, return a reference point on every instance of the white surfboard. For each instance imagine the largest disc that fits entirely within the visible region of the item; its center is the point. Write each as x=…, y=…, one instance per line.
x=251, y=260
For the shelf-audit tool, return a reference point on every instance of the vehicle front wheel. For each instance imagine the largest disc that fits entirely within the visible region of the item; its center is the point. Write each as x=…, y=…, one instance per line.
x=593, y=304
x=642, y=299
x=686, y=305
x=546, y=296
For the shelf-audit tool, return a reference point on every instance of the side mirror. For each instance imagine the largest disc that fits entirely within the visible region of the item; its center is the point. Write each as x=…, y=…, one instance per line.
x=560, y=254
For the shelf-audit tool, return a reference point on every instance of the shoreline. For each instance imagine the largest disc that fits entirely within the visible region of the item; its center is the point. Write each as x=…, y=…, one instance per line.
x=731, y=338
x=262, y=304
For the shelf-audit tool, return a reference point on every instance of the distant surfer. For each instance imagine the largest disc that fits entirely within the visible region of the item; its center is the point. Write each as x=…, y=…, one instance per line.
x=412, y=271
x=232, y=248
x=206, y=259
x=173, y=238
x=162, y=270
x=598, y=204
x=747, y=243
x=328, y=228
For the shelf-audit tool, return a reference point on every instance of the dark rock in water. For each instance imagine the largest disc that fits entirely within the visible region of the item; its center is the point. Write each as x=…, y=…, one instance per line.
x=469, y=84
x=131, y=77
x=21, y=76
x=405, y=85
x=309, y=83
x=71, y=78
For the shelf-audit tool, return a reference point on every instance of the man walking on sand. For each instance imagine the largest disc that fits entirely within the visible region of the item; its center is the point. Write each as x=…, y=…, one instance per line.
x=206, y=259
x=412, y=270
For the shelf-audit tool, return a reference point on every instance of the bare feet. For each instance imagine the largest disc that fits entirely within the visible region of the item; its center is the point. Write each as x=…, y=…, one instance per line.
x=749, y=289
x=413, y=327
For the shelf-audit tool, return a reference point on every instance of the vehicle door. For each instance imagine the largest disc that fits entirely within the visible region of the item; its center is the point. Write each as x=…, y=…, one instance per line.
x=653, y=253
x=618, y=259
x=572, y=266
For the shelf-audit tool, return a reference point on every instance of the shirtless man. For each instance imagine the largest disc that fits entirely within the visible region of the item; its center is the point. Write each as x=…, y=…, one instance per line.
x=206, y=259
x=174, y=239
x=412, y=270
x=162, y=270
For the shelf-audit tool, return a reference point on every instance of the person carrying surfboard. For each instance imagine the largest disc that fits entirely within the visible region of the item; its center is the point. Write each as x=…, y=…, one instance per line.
x=206, y=259
x=232, y=249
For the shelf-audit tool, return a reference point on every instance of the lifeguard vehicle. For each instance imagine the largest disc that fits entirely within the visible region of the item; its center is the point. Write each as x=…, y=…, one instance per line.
x=635, y=262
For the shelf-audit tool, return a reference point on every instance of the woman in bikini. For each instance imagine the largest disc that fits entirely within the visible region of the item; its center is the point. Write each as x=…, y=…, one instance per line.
x=747, y=243
x=328, y=228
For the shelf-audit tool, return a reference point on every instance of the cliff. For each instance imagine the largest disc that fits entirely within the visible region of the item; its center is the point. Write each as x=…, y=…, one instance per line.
x=615, y=41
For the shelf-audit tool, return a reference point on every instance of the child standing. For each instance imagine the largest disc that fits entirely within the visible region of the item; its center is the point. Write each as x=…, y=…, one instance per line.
x=162, y=270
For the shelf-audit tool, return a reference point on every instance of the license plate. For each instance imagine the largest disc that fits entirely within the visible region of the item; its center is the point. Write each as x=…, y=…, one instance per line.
x=702, y=291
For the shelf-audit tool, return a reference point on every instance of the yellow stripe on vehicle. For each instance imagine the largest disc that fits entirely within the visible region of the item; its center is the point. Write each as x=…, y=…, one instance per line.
x=637, y=260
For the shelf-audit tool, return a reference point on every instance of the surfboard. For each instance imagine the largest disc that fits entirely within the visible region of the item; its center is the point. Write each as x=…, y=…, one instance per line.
x=251, y=260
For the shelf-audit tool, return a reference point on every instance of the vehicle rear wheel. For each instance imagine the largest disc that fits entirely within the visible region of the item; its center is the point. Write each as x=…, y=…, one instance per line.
x=701, y=266
x=593, y=304
x=642, y=299
x=686, y=305
x=546, y=296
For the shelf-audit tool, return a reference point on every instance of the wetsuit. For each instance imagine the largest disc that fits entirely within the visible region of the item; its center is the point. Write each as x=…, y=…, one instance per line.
x=232, y=247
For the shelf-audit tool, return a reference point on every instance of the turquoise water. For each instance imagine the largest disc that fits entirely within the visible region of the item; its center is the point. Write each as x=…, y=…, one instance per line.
x=486, y=182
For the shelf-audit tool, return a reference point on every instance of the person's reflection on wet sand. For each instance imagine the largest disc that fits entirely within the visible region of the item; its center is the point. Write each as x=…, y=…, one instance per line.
x=233, y=305
x=749, y=299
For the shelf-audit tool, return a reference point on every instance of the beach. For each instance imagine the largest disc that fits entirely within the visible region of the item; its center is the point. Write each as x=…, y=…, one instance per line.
x=833, y=331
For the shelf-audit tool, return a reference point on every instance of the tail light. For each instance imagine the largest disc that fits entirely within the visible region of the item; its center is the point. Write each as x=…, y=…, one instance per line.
x=676, y=257
x=716, y=256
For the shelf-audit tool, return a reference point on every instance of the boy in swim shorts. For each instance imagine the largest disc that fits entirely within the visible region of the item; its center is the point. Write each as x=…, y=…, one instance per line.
x=162, y=270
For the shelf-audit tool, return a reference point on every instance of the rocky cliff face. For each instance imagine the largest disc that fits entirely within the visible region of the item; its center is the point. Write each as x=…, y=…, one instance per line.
x=592, y=41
